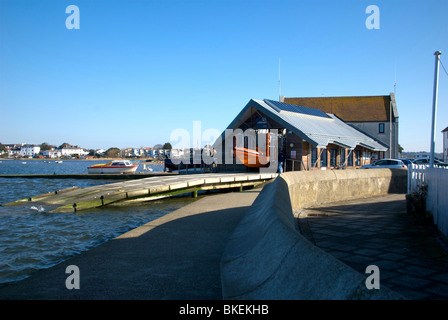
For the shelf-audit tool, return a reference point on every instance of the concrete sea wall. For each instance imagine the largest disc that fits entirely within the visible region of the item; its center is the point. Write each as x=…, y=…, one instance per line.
x=267, y=258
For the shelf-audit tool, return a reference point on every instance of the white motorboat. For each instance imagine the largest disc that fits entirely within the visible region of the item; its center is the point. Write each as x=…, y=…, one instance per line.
x=117, y=166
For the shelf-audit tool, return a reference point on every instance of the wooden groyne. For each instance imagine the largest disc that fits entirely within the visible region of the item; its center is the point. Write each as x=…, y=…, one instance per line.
x=146, y=189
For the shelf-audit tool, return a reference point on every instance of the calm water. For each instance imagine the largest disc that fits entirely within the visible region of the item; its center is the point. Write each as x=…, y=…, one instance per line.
x=66, y=167
x=31, y=239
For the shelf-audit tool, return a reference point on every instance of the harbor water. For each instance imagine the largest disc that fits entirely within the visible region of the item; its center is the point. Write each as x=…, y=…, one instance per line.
x=32, y=239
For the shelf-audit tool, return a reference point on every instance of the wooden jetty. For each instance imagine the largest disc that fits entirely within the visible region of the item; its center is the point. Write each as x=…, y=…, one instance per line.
x=102, y=176
x=146, y=189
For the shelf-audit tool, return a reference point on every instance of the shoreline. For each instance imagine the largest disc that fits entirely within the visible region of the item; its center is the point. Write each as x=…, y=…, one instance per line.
x=157, y=162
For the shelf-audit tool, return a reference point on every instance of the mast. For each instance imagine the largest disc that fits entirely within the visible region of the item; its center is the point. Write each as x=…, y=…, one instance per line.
x=434, y=108
x=279, y=83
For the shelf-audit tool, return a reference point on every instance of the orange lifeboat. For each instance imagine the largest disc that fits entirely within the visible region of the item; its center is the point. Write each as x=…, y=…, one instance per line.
x=253, y=158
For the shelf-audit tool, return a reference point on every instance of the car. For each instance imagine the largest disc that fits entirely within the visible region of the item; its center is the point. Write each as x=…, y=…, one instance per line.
x=386, y=163
x=425, y=161
x=407, y=162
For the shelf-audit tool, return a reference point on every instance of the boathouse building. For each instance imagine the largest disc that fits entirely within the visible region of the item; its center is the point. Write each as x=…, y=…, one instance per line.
x=376, y=116
x=310, y=138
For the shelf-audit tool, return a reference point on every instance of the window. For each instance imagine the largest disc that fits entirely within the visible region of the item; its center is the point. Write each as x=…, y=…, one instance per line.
x=381, y=128
x=357, y=158
x=323, y=158
x=314, y=157
x=342, y=158
x=350, y=159
x=333, y=155
x=381, y=163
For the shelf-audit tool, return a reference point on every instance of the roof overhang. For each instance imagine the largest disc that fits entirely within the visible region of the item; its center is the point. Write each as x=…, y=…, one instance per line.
x=343, y=145
x=373, y=146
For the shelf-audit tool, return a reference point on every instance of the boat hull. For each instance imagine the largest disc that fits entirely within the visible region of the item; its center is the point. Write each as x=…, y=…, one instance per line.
x=251, y=158
x=113, y=169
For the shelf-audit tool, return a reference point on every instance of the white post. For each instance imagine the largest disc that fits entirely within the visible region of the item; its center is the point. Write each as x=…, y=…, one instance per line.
x=434, y=108
x=390, y=130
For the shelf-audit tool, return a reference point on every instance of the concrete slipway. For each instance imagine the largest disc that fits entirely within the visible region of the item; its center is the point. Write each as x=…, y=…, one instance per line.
x=145, y=189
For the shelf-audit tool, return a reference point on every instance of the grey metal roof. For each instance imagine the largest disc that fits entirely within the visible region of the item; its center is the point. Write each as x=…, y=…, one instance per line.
x=282, y=106
x=315, y=127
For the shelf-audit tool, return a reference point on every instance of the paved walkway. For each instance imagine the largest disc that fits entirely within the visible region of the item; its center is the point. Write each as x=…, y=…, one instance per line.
x=378, y=231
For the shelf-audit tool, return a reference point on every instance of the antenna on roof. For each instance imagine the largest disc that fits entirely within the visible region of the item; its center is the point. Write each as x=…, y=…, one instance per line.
x=279, y=82
x=395, y=78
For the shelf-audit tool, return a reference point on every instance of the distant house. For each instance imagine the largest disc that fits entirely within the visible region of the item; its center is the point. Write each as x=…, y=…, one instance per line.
x=376, y=116
x=137, y=152
x=156, y=152
x=54, y=153
x=310, y=138
x=29, y=150
x=13, y=150
x=176, y=153
x=100, y=152
x=445, y=144
x=151, y=152
x=422, y=155
x=73, y=150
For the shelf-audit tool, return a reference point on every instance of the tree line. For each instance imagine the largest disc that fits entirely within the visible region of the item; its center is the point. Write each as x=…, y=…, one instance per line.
x=111, y=152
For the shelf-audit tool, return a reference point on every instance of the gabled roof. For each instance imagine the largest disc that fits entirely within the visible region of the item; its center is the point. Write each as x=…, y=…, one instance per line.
x=445, y=130
x=352, y=109
x=313, y=126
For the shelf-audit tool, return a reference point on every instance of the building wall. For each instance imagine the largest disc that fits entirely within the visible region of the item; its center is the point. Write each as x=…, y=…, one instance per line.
x=373, y=129
x=365, y=112
x=29, y=151
x=294, y=151
x=333, y=156
x=336, y=157
x=72, y=151
x=51, y=153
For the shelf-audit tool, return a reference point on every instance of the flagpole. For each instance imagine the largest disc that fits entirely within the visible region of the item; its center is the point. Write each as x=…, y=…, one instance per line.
x=434, y=108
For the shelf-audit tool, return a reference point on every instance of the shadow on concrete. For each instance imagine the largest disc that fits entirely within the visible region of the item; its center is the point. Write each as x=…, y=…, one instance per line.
x=399, y=181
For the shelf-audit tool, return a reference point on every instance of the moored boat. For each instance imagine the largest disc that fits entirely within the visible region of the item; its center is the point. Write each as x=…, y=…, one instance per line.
x=118, y=166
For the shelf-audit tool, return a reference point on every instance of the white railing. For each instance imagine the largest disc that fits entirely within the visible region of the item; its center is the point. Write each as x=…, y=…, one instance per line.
x=416, y=177
x=437, y=197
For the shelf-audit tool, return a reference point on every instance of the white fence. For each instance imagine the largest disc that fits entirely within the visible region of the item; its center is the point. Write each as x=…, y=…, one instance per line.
x=416, y=177
x=437, y=198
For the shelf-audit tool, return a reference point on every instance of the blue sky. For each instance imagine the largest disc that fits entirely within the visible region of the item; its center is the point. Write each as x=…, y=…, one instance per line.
x=137, y=70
